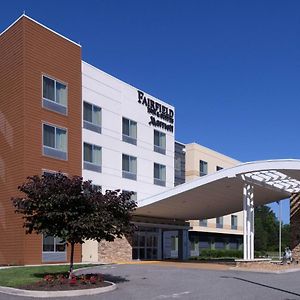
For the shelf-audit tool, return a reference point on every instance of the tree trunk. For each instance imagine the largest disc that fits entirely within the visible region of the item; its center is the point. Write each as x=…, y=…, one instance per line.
x=71, y=260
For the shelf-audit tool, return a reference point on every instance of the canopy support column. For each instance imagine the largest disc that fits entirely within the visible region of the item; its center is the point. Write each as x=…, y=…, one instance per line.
x=248, y=219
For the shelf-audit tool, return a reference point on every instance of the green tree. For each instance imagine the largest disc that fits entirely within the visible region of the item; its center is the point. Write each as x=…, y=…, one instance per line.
x=73, y=210
x=285, y=236
x=266, y=229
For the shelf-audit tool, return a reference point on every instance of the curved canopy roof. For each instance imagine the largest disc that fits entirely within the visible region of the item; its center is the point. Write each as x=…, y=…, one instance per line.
x=221, y=193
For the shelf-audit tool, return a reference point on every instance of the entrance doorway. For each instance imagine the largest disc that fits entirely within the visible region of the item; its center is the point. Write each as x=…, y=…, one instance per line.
x=170, y=244
x=145, y=243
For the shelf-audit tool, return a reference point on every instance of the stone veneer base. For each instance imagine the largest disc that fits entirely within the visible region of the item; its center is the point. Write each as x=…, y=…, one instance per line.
x=119, y=250
x=250, y=262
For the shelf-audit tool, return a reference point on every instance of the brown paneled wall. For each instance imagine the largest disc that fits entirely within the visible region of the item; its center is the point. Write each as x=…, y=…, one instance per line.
x=30, y=51
x=11, y=141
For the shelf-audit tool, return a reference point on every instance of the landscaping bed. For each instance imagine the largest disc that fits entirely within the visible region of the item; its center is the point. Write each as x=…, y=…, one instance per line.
x=63, y=283
x=21, y=277
x=268, y=267
x=212, y=255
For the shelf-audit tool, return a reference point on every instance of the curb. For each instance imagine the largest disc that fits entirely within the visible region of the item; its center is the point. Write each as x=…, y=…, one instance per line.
x=277, y=272
x=52, y=294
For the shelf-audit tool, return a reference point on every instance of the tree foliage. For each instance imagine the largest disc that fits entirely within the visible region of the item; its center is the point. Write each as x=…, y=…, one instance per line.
x=267, y=230
x=73, y=209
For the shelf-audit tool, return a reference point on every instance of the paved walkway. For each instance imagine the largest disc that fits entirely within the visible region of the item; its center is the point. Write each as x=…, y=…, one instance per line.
x=188, y=281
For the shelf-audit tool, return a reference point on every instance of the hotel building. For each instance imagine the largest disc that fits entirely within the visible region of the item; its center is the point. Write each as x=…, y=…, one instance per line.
x=59, y=113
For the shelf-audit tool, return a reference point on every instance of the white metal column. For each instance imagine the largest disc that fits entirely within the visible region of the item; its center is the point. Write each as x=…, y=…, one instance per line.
x=248, y=220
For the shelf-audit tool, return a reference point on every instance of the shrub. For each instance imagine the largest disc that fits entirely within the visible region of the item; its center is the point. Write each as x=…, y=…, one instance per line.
x=212, y=253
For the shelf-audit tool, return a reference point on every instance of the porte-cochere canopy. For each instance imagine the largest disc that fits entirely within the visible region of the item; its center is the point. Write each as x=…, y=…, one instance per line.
x=227, y=191
x=221, y=193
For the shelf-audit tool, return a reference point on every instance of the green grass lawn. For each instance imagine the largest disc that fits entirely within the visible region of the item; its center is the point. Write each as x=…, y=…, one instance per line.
x=19, y=276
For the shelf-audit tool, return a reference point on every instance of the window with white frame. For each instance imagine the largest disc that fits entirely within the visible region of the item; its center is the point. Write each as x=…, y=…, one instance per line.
x=159, y=142
x=203, y=168
x=92, y=117
x=129, y=167
x=218, y=168
x=92, y=157
x=54, y=249
x=53, y=244
x=129, y=131
x=55, y=95
x=55, y=141
x=219, y=222
x=233, y=222
x=159, y=174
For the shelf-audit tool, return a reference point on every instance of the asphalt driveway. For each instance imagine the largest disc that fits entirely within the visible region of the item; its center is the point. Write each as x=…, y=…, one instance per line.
x=154, y=282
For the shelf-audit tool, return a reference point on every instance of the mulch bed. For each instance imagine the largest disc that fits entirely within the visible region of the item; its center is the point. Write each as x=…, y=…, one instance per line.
x=59, y=284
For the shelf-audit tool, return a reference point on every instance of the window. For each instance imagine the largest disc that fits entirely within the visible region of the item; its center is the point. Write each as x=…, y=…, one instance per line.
x=49, y=173
x=129, y=167
x=204, y=242
x=174, y=243
x=220, y=243
x=159, y=142
x=92, y=117
x=233, y=222
x=203, y=223
x=53, y=244
x=97, y=188
x=159, y=174
x=233, y=244
x=133, y=196
x=219, y=168
x=55, y=95
x=92, y=157
x=54, y=142
x=193, y=246
x=219, y=222
x=203, y=168
x=54, y=249
x=178, y=164
x=129, y=131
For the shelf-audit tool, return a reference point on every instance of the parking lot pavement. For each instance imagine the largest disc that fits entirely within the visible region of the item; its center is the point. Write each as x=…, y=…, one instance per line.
x=154, y=282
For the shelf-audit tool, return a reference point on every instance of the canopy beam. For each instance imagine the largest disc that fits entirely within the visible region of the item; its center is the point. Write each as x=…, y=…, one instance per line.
x=248, y=219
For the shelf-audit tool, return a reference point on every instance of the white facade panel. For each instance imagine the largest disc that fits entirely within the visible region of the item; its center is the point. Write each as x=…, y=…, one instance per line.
x=117, y=100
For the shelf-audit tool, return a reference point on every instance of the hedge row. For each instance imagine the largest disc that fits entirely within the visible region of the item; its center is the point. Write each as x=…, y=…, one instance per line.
x=211, y=253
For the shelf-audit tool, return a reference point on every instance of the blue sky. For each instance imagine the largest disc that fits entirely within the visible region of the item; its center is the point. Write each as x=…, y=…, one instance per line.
x=231, y=68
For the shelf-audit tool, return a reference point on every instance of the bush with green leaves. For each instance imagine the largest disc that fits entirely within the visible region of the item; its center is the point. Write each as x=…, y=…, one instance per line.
x=212, y=253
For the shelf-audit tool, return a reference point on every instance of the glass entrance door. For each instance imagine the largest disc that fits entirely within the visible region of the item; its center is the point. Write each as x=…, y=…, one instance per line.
x=170, y=244
x=145, y=244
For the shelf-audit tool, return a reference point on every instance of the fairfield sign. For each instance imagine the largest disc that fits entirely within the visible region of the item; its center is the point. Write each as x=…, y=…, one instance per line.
x=157, y=110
